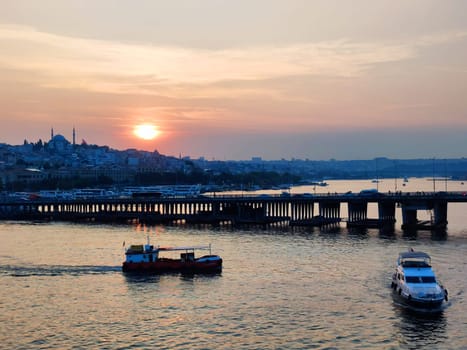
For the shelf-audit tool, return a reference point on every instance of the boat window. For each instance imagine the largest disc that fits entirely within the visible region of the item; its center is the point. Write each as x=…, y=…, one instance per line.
x=187, y=256
x=420, y=279
x=415, y=263
x=428, y=279
x=412, y=279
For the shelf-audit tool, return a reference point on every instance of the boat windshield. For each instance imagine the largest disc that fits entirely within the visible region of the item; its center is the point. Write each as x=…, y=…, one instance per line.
x=420, y=279
x=415, y=263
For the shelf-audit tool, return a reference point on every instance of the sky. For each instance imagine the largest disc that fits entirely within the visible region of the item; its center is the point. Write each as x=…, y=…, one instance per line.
x=231, y=80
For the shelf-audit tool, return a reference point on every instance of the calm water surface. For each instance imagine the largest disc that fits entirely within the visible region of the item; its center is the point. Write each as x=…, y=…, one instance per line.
x=61, y=287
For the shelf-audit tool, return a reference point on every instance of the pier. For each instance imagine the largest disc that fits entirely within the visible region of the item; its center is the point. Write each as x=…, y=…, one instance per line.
x=292, y=210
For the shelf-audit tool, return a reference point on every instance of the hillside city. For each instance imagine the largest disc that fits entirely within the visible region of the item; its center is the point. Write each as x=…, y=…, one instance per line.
x=61, y=164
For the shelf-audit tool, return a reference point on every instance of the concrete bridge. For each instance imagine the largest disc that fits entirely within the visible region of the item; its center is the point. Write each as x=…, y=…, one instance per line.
x=293, y=210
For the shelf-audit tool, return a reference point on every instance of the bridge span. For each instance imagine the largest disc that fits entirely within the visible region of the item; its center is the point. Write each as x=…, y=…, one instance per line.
x=293, y=210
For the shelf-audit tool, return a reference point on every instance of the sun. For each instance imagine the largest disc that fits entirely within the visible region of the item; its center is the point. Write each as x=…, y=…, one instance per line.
x=146, y=131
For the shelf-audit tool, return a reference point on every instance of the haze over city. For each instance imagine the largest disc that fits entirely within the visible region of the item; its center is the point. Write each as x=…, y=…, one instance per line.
x=237, y=79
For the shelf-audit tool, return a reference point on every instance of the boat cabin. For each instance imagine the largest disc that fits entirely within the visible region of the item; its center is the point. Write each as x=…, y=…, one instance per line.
x=189, y=256
x=141, y=253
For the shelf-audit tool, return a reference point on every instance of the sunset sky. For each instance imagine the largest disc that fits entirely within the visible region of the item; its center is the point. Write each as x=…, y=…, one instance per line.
x=237, y=79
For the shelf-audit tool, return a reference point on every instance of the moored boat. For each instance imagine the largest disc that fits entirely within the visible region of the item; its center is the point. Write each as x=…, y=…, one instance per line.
x=147, y=258
x=414, y=282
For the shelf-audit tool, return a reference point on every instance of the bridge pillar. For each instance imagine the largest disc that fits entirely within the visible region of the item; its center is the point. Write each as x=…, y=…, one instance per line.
x=216, y=208
x=329, y=210
x=358, y=211
x=264, y=208
x=409, y=216
x=310, y=210
x=440, y=209
x=387, y=212
x=296, y=211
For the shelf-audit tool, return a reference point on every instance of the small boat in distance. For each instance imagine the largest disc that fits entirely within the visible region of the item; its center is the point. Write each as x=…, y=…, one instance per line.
x=318, y=183
x=415, y=283
x=147, y=258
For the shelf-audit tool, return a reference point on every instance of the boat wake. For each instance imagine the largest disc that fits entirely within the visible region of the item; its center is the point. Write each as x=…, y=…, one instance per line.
x=56, y=270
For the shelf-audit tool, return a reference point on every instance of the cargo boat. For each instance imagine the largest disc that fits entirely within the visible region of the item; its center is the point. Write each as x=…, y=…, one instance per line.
x=147, y=258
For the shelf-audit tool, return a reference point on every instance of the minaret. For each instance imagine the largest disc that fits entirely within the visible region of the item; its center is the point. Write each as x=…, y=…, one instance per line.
x=74, y=136
x=51, y=133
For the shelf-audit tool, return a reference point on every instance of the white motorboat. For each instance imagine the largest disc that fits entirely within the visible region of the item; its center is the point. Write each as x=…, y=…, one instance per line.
x=415, y=283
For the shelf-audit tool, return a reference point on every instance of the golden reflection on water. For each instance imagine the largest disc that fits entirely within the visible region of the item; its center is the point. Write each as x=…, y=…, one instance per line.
x=61, y=286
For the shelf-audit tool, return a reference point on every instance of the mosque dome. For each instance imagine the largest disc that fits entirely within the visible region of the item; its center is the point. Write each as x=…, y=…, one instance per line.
x=60, y=138
x=58, y=143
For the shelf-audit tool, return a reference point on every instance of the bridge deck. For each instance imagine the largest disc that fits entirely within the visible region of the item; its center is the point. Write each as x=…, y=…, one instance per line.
x=261, y=210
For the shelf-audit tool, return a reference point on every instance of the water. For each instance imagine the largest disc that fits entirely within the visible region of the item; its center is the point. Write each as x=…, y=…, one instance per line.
x=61, y=287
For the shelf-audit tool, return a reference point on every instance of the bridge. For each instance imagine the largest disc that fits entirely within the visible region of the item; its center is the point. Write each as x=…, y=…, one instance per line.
x=293, y=210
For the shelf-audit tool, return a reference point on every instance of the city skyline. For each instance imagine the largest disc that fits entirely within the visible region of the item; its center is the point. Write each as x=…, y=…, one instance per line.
x=235, y=80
